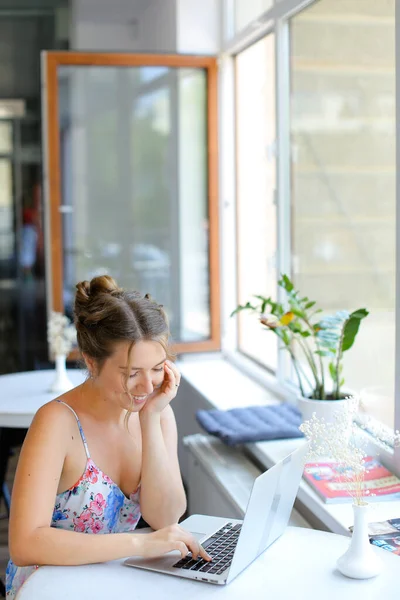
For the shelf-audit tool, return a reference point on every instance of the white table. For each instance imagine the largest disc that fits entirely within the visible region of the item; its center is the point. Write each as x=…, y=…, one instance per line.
x=22, y=394
x=300, y=565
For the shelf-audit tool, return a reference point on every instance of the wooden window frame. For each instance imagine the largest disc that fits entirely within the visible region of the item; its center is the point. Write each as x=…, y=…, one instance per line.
x=54, y=264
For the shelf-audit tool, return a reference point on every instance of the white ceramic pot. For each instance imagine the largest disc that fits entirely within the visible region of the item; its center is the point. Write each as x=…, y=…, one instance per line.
x=361, y=560
x=61, y=382
x=323, y=409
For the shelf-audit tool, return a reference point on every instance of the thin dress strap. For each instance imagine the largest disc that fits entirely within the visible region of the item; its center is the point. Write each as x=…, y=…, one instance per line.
x=79, y=425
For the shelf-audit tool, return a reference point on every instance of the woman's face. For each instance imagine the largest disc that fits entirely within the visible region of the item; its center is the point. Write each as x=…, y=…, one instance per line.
x=146, y=362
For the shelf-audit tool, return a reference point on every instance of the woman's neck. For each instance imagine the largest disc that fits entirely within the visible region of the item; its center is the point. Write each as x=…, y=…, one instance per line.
x=99, y=406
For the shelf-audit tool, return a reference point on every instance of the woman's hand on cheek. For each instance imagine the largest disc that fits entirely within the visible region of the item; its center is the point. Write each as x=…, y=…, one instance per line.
x=163, y=395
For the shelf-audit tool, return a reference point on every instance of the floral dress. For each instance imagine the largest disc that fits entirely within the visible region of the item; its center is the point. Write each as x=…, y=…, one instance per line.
x=95, y=504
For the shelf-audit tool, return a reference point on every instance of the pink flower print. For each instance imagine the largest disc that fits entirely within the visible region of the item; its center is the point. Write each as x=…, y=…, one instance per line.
x=107, y=479
x=96, y=526
x=84, y=521
x=133, y=517
x=97, y=505
x=91, y=473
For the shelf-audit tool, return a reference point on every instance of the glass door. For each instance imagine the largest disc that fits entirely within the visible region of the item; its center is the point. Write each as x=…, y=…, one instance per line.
x=131, y=182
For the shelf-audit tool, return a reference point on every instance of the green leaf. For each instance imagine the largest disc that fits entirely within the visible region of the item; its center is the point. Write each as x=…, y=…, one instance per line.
x=323, y=352
x=277, y=310
x=241, y=307
x=332, y=370
x=297, y=329
x=285, y=337
x=310, y=305
x=360, y=313
x=305, y=334
x=351, y=327
x=262, y=298
x=285, y=283
x=297, y=312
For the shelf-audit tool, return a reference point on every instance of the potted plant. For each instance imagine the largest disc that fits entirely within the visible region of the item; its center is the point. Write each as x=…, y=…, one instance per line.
x=315, y=344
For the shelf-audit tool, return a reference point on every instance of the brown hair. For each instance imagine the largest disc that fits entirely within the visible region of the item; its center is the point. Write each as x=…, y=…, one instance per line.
x=106, y=314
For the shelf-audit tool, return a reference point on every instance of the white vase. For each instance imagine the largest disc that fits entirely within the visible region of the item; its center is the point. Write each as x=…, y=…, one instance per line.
x=361, y=560
x=323, y=409
x=61, y=382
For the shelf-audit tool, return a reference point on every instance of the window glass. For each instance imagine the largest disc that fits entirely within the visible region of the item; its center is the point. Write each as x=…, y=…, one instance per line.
x=256, y=209
x=344, y=176
x=135, y=186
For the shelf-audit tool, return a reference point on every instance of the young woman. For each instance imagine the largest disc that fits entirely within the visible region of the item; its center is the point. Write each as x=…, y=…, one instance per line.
x=99, y=456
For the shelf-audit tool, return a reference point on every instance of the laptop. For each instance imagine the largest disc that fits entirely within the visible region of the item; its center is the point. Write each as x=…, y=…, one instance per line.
x=235, y=544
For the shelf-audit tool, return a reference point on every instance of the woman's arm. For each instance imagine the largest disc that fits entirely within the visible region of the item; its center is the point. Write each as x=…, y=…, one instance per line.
x=51, y=546
x=32, y=540
x=162, y=496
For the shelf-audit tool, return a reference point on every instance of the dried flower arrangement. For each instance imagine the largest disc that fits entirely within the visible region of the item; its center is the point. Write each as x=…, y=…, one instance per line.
x=342, y=440
x=61, y=334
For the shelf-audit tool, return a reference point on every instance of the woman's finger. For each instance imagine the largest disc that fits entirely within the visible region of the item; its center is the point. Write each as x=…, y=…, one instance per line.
x=196, y=549
x=204, y=554
x=175, y=372
x=189, y=540
x=193, y=546
x=182, y=547
x=171, y=382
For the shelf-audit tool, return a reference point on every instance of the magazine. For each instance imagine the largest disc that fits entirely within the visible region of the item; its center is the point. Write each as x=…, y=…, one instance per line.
x=385, y=534
x=391, y=543
x=332, y=481
x=382, y=528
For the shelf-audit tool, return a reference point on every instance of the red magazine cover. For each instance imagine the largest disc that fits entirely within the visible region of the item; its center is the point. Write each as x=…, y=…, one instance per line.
x=332, y=481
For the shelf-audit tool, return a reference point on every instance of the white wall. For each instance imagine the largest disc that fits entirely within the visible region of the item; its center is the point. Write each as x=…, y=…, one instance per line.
x=184, y=26
x=198, y=26
x=157, y=29
x=124, y=25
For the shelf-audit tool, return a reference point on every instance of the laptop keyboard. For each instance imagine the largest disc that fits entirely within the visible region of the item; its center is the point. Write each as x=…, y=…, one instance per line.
x=221, y=547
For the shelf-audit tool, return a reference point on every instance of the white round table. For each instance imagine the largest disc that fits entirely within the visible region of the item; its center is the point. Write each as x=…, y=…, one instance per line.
x=301, y=565
x=22, y=394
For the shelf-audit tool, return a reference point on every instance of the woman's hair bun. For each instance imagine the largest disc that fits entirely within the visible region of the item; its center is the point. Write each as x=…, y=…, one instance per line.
x=83, y=291
x=106, y=314
x=104, y=284
x=87, y=290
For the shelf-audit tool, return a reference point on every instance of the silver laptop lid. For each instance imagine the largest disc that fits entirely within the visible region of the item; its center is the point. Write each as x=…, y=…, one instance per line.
x=268, y=510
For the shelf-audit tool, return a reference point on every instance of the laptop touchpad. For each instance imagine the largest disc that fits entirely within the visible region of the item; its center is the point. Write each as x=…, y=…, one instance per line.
x=198, y=536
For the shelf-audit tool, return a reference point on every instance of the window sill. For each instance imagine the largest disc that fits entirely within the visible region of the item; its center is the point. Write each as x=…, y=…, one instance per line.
x=225, y=386
x=222, y=384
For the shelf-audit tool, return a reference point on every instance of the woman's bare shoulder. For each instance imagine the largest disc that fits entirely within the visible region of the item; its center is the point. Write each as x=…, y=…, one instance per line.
x=55, y=412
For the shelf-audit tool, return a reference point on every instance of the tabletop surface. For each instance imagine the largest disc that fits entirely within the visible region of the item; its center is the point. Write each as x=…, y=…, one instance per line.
x=301, y=564
x=22, y=394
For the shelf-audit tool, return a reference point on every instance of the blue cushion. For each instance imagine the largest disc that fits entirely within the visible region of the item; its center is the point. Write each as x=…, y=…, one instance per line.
x=252, y=424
